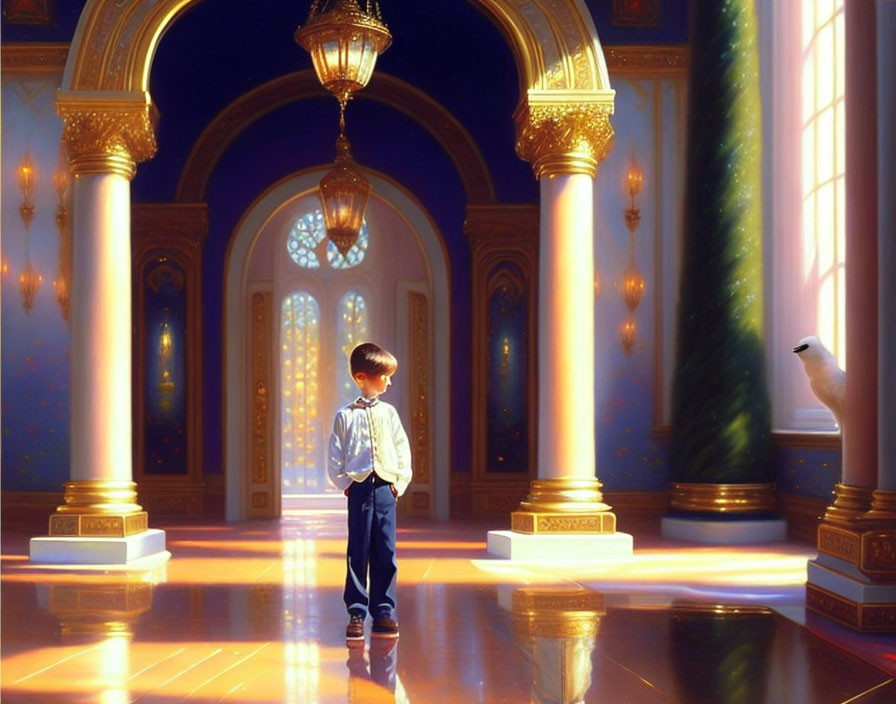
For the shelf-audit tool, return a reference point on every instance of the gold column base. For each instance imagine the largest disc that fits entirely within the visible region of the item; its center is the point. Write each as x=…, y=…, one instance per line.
x=871, y=550
x=723, y=498
x=883, y=508
x=564, y=506
x=867, y=618
x=100, y=609
x=557, y=612
x=99, y=508
x=851, y=503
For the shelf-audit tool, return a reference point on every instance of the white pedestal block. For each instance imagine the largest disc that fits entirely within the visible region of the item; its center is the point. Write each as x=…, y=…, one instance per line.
x=731, y=532
x=78, y=550
x=559, y=546
x=861, y=591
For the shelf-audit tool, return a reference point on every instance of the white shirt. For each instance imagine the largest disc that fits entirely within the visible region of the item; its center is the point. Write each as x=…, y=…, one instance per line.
x=368, y=436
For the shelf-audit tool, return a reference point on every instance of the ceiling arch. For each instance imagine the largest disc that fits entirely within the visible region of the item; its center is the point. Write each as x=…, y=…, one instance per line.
x=554, y=43
x=293, y=87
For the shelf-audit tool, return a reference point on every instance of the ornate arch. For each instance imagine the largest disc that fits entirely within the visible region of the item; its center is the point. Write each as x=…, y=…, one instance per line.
x=554, y=43
x=564, y=85
x=383, y=88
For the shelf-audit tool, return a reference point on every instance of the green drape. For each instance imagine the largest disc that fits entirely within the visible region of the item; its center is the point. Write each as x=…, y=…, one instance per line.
x=721, y=417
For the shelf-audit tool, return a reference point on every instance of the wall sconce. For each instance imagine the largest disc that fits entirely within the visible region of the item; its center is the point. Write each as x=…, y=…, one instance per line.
x=61, y=182
x=627, y=336
x=29, y=284
x=166, y=359
x=633, y=283
x=29, y=280
x=505, y=358
x=27, y=181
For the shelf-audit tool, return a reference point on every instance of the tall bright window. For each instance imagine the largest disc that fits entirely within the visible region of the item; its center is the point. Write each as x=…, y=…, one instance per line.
x=823, y=166
x=802, y=63
x=352, y=324
x=300, y=439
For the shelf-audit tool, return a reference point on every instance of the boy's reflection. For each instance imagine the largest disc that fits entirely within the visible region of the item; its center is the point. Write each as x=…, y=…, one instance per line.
x=376, y=682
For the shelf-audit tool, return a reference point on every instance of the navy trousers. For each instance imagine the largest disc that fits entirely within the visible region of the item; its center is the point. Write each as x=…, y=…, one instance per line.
x=371, y=547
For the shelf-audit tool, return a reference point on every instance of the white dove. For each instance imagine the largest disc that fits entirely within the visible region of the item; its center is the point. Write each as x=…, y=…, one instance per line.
x=826, y=379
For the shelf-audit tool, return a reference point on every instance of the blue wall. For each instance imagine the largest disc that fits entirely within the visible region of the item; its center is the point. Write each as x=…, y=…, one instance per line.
x=35, y=388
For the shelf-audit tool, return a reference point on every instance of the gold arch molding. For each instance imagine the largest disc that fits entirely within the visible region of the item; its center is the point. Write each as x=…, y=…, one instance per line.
x=554, y=43
x=561, y=67
x=250, y=107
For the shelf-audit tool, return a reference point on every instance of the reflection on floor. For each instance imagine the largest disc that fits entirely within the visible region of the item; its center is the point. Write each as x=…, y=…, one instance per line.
x=252, y=612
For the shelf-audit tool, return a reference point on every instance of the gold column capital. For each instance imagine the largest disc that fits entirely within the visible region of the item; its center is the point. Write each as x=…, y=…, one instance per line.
x=107, y=133
x=564, y=132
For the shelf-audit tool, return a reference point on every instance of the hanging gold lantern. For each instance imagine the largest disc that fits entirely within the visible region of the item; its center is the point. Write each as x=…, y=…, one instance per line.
x=343, y=41
x=343, y=194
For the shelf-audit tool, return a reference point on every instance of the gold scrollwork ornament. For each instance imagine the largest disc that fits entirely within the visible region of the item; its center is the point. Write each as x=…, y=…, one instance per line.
x=564, y=138
x=108, y=139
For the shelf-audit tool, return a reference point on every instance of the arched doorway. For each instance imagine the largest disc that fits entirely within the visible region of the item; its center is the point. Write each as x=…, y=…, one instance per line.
x=109, y=119
x=282, y=308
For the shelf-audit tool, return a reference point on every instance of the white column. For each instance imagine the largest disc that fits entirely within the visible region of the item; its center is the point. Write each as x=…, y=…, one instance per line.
x=101, y=329
x=886, y=260
x=566, y=448
x=100, y=522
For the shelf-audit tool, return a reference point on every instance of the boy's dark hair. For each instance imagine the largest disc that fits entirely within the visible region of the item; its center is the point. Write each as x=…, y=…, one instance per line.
x=372, y=360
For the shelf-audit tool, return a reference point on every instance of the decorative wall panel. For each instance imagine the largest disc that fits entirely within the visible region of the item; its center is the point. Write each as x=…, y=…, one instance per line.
x=166, y=251
x=504, y=243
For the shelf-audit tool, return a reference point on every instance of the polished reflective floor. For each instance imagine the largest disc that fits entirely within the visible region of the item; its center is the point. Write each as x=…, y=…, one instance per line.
x=252, y=612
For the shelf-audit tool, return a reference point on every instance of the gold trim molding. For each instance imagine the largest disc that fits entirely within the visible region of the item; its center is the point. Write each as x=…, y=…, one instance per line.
x=261, y=489
x=856, y=615
x=873, y=552
x=174, y=223
x=647, y=60
x=564, y=132
x=418, y=322
x=33, y=59
x=806, y=441
x=723, y=498
x=107, y=134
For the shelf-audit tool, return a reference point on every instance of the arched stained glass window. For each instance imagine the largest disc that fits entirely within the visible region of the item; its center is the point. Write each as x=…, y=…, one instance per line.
x=307, y=247
x=300, y=452
x=306, y=234
x=352, y=329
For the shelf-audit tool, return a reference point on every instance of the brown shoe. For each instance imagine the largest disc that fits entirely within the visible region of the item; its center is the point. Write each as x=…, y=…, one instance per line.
x=384, y=628
x=354, y=631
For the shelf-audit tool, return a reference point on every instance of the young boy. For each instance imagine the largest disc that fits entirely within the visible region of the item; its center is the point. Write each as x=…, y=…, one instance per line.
x=370, y=458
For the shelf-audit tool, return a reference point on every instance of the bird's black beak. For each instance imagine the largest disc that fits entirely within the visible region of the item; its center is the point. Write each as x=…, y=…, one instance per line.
x=801, y=348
